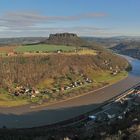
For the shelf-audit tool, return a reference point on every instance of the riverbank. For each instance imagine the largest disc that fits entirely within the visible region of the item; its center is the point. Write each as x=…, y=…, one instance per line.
x=26, y=116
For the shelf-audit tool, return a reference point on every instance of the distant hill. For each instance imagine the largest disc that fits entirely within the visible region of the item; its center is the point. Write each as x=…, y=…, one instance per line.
x=124, y=44
x=110, y=42
x=104, y=42
x=128, y=48
x=68, y=39
x=21, y=40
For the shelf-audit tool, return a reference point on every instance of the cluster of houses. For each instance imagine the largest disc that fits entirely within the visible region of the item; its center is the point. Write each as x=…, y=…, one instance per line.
x=76, y=84
x=114, y=71
x=33, y=92
x=118, y=108
x=20, y=90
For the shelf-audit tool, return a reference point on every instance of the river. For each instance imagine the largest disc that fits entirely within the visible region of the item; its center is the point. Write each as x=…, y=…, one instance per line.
x=27, y=117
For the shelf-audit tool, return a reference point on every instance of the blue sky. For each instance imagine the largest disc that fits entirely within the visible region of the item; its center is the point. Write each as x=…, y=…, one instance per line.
x=103, y=18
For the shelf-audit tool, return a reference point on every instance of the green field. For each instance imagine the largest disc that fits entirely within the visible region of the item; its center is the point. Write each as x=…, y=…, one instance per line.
x=44, y=48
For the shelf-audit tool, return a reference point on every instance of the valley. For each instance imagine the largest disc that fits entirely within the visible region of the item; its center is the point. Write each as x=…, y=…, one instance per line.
x=45, y=73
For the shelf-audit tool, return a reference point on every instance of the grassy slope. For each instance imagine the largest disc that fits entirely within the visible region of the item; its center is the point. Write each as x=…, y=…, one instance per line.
x=107, y=77
x=7, y=100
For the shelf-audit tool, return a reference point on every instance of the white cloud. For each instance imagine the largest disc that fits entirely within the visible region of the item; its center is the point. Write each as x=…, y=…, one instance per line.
x=28, y=19
x=36, y=24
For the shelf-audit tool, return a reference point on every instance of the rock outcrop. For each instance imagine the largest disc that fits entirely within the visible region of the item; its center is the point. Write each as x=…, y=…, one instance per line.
x=68, y=39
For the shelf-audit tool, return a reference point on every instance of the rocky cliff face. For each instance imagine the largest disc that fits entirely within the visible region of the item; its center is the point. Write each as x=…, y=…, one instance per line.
x=68, y=39
x=63, y=35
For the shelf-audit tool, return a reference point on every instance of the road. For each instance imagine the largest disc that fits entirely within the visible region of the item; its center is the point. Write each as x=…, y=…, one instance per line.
x=25, y=116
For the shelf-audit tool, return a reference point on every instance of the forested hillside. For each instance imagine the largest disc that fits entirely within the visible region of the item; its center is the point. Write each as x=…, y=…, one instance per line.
x=128, y=48
x=32, y=70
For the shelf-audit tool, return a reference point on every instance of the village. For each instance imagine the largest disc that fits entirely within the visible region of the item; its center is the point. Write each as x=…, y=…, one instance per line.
x=34, y=92
x=118, y=109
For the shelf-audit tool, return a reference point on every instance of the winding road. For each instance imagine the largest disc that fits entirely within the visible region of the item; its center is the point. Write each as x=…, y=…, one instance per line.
x=27, y=117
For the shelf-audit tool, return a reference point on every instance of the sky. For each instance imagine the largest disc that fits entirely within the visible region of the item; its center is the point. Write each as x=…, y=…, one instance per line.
x=39, y=18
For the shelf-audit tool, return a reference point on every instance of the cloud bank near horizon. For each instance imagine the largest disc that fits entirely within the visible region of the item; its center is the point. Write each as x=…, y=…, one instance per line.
x=36, y=24
x=86, y=18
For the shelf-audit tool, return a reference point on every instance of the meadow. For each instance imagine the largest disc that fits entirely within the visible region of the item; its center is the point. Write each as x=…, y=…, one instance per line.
x=44, y=48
